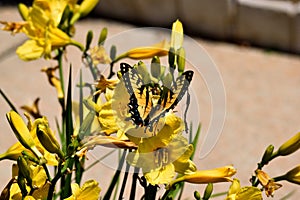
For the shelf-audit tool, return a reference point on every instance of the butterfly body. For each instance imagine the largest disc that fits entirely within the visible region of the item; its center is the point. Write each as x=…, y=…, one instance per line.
x=149, y=102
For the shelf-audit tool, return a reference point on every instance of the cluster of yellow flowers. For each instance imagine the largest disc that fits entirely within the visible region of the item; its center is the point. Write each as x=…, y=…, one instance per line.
x=163, y=154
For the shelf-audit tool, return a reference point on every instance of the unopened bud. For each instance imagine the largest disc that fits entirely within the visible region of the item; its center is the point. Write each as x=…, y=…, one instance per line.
x=87, y=6
x=48, y=140
x=208, y=191
x=293, y=175
x=290, y=146
x=267, y=155
x=22, y=185
x=180, y=59
x=89, y=38
x=85, y=127
x=102, y=36
x=24, y=169
x=197, y=195
x=155, y=67
x=143, y=71
x=23, y=10
x=177, y=35
x=172, y=56
x=167, y=81
x=20, y=129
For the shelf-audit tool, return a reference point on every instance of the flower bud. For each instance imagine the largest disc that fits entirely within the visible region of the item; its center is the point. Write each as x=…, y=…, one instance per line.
x=208, y=191
x=290, y=146
x=87, y=6
x=22, y=184
x=89, y=38
x=23, y=10
x=172, y=56
x=20, y=129
x=48, y=140
x=167, y=81
x=180, y=59
x=85, y=127
x=24, y=169
x=222, y=174
x=267, y=155
x=177, y=35
x=102, y=36
x=155, y=67
x=197, y=195
x=143, y=71
x=293, y=175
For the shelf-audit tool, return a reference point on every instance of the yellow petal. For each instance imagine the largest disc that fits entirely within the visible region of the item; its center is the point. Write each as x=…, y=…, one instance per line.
x=90, y=190
x=20, y=129
x=163, y=175
x=30, y=50
x=222, y=174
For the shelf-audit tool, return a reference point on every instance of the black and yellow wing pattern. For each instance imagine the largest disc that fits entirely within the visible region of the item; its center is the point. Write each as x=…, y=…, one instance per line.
x=149, y=102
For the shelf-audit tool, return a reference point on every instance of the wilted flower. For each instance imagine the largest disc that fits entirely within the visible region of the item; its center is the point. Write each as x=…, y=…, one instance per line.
x=268, y=183
x=33, y=110
x=54, y=81
x=99, y=55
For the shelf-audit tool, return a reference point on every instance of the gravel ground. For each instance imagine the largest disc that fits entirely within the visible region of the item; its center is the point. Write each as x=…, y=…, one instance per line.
x=262, y=102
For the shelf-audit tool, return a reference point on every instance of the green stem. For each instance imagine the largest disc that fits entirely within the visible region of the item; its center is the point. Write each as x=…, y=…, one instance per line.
x=133, y=185
x=115, y=178
x=124, y=182
x=8, y=101
x=61, y=73
x=54, y=180
x=47, y=172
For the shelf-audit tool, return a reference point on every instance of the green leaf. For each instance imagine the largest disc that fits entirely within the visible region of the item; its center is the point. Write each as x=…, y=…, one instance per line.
x=8, y=101
x=195, y=141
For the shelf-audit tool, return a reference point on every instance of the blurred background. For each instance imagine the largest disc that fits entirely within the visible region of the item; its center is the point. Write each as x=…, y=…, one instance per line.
x=254, y=43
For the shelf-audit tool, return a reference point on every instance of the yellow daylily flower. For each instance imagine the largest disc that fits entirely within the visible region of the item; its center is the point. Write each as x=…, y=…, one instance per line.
x=90, y=190
x=104, y=83
x=39, y=181
x=16, y=150
x=237, y=193
x=222, y=174
x=41, y=26
x=164, y=154
x=22, y=133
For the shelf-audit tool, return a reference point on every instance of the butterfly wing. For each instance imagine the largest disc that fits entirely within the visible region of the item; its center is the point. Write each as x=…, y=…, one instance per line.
x=171, y=98
x=139, y=102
